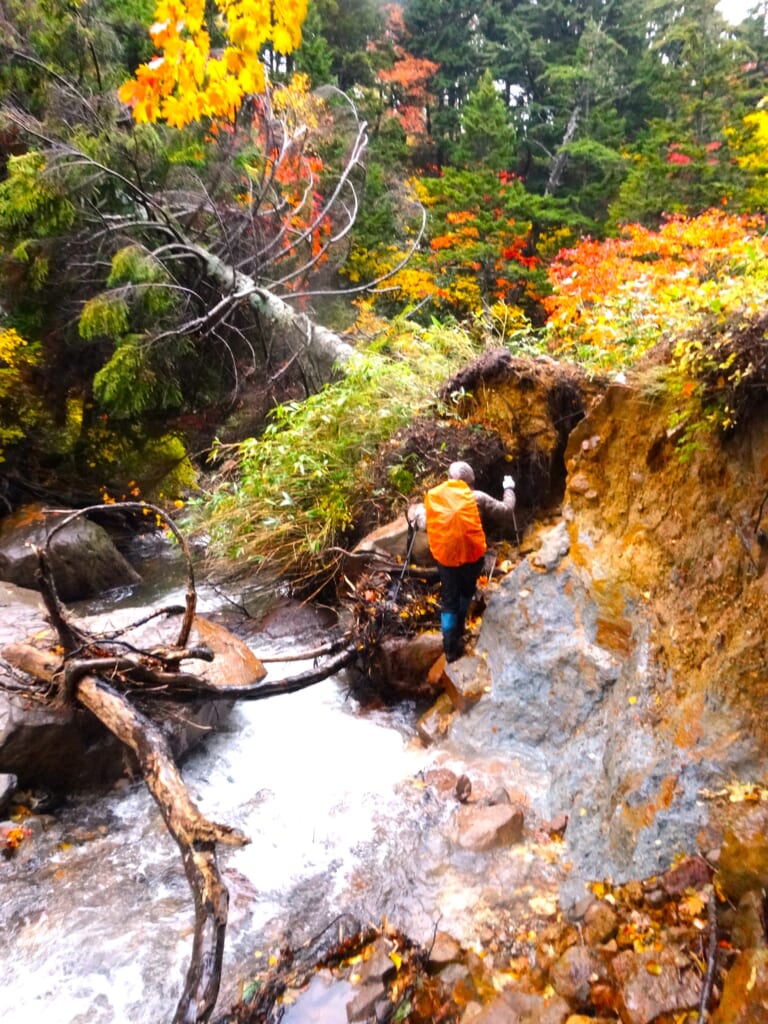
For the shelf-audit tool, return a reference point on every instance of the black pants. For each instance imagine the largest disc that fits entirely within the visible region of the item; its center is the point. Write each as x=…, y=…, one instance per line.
x=457, y=588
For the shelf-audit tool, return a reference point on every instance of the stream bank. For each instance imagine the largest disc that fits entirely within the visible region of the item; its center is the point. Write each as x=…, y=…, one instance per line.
x=626, y=657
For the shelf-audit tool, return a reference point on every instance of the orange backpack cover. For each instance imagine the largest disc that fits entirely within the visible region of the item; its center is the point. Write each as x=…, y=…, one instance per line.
x=454, y=531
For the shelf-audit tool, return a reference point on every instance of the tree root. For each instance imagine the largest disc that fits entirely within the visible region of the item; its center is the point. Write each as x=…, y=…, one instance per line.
x=107, y=685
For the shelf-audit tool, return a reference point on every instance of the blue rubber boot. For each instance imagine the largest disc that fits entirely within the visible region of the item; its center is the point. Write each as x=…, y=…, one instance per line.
x=449, y=623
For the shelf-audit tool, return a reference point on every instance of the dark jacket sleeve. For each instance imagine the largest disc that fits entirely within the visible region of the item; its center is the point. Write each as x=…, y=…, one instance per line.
x=494, y=512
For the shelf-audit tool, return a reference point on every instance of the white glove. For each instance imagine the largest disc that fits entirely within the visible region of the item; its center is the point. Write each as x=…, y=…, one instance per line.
x=508, y=482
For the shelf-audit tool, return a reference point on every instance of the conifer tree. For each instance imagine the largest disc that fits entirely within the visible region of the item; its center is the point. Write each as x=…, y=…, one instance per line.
x=487, y=135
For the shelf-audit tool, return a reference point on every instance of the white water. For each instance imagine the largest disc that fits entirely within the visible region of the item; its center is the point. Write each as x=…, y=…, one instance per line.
x=99, y=930
x=96, y=914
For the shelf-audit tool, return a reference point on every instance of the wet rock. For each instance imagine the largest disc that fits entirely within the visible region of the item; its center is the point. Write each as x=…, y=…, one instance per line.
x=373, y=976
x=472, y=1011
x=557, y=825
x=458, y=981
x=691, y=873
x=656, y=898
x=52, y=747
x=390, y=541
x=745, y=991
x=463, y=789
x=600, y=923
x=442, y=779
x=555, y=546
x=466, y=681
x=83, y=558
x=575, y=972
x=8, y=784
x=292, y=619
x=404, y=664
x=580, y=906
x=485, y=828
x=435, y=723
x=379, y=966
x=553, y=940
x=22, y=613
x=548, y=675
x=444, y=950
x=523, y=1008
x=744, y=853
x=748, y=928
x=634, y=893
x=366, y=1000
x=652, y=983
x=499, y=795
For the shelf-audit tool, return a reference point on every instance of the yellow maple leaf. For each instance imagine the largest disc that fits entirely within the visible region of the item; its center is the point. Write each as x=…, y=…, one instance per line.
x=183, y=83
x=692, y=905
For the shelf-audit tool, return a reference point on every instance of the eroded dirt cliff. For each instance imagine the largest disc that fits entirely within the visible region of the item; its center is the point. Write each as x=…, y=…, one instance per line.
x=684, y=531
x=632, y=663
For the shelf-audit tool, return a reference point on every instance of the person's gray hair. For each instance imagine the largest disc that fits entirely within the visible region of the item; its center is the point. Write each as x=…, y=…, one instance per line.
x=462, y=471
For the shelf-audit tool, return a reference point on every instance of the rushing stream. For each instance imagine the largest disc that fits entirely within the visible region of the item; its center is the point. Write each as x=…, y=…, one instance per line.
x=96, y=912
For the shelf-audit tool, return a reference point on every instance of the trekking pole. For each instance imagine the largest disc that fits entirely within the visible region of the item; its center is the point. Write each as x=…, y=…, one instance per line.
x=517, y=532
x=411, y=542
x=489, y=571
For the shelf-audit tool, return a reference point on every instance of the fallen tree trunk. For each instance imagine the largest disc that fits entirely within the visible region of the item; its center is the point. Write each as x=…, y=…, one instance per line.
x=195, y=835
x=108, y=675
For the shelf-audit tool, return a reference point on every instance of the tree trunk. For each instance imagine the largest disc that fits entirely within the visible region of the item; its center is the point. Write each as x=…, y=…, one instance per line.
x=319, y=350
x=561, y=158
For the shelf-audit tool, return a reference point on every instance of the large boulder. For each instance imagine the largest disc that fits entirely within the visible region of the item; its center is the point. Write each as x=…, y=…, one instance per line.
x=390, y=542
x=83, y=557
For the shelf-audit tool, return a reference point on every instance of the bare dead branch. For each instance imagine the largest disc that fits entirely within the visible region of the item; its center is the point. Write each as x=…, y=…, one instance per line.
x=146, y=509
x=195, y=835
x=69, y=635
x=109, y=685
x=709, y=977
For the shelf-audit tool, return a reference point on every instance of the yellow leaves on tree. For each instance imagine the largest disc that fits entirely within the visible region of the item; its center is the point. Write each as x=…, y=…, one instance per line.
x=749, y=143
x=187, y=79
x=18, y=409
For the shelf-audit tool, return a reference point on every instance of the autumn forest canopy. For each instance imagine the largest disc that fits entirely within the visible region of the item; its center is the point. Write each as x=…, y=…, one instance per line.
x=243, y=243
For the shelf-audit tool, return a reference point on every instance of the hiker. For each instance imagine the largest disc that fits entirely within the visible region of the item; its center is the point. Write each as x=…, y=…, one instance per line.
x=455, y=517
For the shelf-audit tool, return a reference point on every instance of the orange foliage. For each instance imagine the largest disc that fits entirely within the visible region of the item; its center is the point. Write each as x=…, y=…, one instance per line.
x=624, y=292
x=683, y=249
x=407, y=79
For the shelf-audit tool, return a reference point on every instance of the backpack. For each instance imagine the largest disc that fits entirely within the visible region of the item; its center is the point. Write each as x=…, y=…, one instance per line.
x=454, y=530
